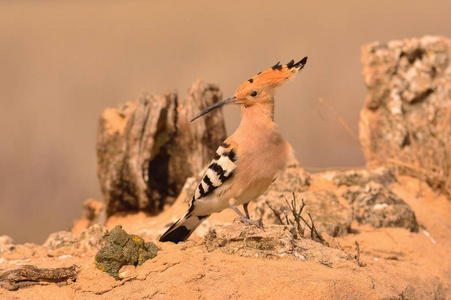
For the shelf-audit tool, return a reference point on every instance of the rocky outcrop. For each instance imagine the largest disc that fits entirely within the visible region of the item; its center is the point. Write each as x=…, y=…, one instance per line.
x=407, y=114
x=6, y=242
x=362, y=195
x=377, y=206
x=147, y=148
x=370, y=198
x=89, y=240
x=273, y=241
x=235, y=257
x=362, y=177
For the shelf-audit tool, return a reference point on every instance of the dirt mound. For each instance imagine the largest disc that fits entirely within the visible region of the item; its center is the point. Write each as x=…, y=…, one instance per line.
x=233, y=260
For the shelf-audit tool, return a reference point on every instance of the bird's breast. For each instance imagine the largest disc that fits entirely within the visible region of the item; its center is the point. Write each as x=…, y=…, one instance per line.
x=261, y=154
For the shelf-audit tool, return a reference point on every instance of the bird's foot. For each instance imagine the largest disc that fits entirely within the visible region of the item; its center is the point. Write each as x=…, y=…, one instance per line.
x=247, y=221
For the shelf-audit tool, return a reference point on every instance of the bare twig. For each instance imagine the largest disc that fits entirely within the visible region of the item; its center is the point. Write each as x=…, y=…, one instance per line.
x=276, y=213
x=357, y=256
x=313, y=230
x=288, y=221
x=339, y=119
x=296, y=219
x=432, y=175
x=296, y=214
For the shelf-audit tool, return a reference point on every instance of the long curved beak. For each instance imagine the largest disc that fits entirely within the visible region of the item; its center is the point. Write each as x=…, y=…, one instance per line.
x=214, y=106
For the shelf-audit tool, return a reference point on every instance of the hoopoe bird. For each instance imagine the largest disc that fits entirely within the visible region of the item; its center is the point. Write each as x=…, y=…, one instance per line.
x=248, y=161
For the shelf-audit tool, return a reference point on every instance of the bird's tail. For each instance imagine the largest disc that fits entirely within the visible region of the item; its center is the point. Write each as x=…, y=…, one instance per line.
x=183, y=228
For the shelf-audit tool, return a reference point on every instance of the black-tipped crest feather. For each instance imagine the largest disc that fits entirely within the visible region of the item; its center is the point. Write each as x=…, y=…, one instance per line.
x=277, y=66
x=300, y=64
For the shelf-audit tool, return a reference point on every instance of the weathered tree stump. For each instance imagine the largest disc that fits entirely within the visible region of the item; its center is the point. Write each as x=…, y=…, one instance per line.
x=28, y=275
x=147, y=148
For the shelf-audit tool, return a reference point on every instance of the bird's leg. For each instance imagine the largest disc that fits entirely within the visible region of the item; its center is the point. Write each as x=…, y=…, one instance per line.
x=245, y=205
x=246, y=219
x=233, y=206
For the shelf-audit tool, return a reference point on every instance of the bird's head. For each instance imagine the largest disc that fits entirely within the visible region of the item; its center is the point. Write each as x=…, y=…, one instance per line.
x=261, y=87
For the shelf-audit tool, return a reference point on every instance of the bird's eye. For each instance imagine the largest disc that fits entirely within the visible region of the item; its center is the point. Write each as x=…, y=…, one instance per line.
x=253, y=94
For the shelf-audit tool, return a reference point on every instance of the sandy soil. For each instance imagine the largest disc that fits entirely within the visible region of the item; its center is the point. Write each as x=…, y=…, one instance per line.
x=395, y=263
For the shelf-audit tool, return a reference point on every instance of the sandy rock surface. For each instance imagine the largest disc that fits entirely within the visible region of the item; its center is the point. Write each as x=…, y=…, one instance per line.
x=230, y=260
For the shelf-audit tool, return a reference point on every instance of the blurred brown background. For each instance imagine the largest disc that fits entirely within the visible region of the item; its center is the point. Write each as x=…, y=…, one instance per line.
x=62, y=63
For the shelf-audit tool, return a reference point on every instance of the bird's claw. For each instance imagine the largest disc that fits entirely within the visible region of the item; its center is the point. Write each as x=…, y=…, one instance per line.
x=247, y=221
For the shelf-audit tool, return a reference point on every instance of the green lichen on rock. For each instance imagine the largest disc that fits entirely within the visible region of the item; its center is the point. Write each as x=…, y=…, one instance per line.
x=123, y=249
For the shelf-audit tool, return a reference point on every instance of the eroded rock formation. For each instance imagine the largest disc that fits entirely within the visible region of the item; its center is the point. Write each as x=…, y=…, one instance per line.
x=407, y=114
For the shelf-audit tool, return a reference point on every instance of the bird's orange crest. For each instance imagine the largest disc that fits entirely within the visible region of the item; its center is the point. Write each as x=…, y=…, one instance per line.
x=270, y=78
x=260, y=88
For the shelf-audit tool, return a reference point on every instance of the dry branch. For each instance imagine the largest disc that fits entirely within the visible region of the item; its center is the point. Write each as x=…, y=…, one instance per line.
x=296, y=218
x=29, y=275
x=357, y=256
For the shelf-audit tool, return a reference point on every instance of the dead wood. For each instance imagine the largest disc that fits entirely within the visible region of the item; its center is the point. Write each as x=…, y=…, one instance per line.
x=29, y=275
x=147, y=148
x=357, y=256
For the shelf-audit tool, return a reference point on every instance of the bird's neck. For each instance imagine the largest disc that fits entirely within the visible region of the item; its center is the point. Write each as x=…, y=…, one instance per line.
x=258, y=112
x=258, y=129
x=258, y=121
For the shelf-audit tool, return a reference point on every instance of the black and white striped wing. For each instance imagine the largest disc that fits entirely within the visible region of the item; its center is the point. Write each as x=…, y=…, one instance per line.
x=219, y=171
